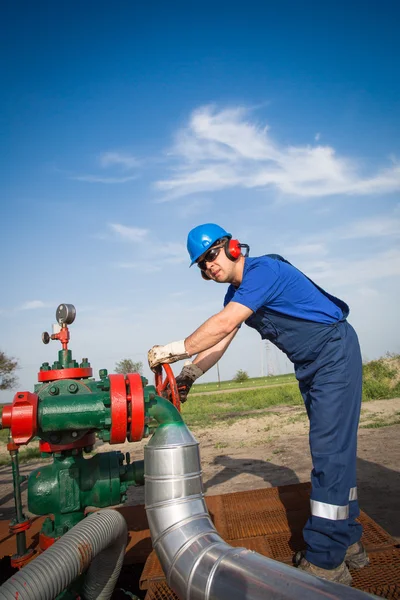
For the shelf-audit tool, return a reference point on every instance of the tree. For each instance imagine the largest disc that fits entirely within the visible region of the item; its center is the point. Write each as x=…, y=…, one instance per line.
x=8, y=366
x=241, y=376
x=126, y=365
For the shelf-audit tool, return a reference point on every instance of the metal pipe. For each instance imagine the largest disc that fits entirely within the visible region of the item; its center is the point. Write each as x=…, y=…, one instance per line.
x=20, y=517
x=97, y=542
x=198, y=564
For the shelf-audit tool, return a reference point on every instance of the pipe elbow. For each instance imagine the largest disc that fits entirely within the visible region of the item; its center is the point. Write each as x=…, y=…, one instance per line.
x=197, y=562
x=163, y=411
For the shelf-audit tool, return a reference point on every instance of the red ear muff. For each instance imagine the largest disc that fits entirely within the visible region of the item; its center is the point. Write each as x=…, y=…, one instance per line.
x=233, y=249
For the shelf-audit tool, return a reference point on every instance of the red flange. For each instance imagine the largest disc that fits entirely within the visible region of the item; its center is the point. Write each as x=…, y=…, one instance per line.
x=18, y=527
x=161, y=386
x=21, y=417
x=119, y=409
x=88, y=440
x=20, y=561
x=74, y=373
x=136, y=398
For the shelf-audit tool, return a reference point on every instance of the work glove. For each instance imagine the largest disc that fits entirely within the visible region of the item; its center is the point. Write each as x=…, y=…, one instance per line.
x=185, y=380
x=169, y=353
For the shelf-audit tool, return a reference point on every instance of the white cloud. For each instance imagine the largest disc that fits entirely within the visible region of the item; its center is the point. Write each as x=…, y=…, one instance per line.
x=143, y=267
x=99, y=179
x=132, y=234
x=377, y=226
x=223, y=149
x=317, y=249
x=194, y=207
x=117, y=161
x=33, y=305
x=357, y=272
x=125, y=161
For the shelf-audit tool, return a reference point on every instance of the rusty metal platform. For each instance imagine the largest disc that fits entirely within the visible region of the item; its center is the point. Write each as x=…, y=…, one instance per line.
x=270, y=521
x=267, y=520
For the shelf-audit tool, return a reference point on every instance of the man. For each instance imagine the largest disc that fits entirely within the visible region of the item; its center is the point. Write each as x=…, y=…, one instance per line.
x=309, y=325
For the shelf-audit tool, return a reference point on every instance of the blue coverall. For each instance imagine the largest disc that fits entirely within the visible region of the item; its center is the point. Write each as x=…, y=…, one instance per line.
x=325, y=351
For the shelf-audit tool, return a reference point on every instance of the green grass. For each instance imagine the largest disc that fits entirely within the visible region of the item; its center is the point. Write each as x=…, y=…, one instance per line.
x=215, y=409
x=208, y=410
x=251, y=382
x=380, y=423
x=24, y=455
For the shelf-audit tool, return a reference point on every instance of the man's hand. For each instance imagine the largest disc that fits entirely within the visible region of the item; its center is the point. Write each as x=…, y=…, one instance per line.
x=186, y=379
x=167, y=354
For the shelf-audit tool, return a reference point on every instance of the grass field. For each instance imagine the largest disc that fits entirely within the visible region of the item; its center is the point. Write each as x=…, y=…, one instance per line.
x=252, y=382
x=381, y=380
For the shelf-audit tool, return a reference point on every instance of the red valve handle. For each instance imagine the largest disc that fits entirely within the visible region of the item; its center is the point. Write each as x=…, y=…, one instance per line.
x=161, y=385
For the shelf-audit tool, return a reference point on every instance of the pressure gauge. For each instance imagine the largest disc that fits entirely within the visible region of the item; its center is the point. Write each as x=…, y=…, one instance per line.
x=65, y=314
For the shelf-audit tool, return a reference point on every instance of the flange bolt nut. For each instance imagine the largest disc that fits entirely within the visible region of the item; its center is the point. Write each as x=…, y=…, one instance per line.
x=53, y=391
x=73, y=388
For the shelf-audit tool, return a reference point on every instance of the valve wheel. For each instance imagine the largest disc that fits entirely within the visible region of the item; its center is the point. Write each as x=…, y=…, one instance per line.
x=161, y=385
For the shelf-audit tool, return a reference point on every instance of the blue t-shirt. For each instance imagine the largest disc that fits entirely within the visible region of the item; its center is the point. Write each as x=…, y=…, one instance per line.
x=273, y=283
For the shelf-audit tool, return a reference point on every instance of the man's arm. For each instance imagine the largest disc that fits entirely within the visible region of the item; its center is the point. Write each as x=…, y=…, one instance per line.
x=208, y=335
x=217, y=328
x=203, y=361
x=208, y=358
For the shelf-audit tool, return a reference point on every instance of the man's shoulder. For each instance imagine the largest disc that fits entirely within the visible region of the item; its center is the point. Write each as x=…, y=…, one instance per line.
x=266, y=261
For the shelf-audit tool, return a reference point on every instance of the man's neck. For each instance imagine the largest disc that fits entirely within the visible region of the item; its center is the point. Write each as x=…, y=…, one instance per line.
x=238, y=272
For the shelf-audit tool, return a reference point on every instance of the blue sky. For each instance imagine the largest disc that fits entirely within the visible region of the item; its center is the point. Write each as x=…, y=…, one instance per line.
x=125, y=124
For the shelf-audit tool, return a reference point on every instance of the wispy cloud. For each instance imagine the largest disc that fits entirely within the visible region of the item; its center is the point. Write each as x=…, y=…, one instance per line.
x=143, y=267
x=315, y=249
x=99, y=179
x=194, y=207
x=34, y=304
x=126, y=161
x=150, y=254
x=131, y=234
x=377, y=226
x=117, y=161
x=223, y=149
x=357, y=272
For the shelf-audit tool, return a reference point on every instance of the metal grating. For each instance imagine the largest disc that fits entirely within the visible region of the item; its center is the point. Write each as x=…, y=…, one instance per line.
x=256, y=544
x=284, y=545
x=250, y=521
x=373, y=535
x=152, y=572
x=270, y=521
x=383, y=570
x=160, y=591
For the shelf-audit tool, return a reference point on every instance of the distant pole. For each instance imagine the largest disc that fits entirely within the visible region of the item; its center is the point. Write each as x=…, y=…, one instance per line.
x=219, y=380
x=270, y=359
x=262, y=357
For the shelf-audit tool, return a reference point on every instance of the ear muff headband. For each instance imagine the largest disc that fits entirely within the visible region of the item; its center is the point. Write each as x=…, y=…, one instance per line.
x=233, y=249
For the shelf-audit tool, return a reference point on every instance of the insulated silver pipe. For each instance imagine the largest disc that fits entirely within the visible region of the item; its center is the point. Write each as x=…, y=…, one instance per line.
x=198, y=564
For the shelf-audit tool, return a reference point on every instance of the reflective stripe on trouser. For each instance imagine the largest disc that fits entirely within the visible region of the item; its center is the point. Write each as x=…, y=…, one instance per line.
x=332, y=396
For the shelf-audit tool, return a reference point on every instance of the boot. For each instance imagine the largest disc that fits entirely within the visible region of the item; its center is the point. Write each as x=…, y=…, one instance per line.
x=356, y=556
x=340, y=574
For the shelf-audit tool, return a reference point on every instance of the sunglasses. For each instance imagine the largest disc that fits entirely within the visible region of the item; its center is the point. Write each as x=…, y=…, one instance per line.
x=210, y=256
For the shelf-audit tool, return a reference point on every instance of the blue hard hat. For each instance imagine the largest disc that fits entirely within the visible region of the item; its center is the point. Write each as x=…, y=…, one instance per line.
x=203, y=237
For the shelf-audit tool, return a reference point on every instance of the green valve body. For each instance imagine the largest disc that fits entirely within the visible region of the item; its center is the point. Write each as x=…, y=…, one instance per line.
x=71, y=483
x=67, y=412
